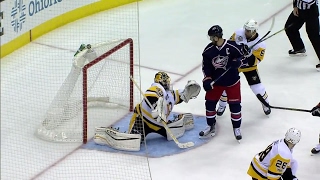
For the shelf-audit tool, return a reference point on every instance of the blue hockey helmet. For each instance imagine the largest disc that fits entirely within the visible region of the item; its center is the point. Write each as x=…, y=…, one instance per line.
x=215, y=30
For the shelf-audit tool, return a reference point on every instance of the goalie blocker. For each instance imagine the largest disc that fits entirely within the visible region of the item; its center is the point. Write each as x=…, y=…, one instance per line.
x=131, y=142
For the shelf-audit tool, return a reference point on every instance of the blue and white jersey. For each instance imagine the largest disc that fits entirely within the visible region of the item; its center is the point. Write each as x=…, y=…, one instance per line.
x=216, y=60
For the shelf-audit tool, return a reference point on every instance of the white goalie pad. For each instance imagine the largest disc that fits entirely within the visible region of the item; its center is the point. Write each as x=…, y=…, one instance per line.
x=187, y=120
x=177, y=128
x=191, y=91
x=117, y=140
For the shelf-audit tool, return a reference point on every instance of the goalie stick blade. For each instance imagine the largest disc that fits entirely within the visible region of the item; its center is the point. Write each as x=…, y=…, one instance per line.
x=264, y=102
x=186, y=145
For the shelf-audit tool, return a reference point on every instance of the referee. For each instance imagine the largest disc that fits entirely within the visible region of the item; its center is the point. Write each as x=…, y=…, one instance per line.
x=304, y=11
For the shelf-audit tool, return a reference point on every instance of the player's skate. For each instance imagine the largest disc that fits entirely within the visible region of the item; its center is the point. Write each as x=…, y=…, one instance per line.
x=301, y=52
x=221, y=110
x=318, y=67
x=237, y=134
x=316, y=149
x=210, y=131
x=266, y=109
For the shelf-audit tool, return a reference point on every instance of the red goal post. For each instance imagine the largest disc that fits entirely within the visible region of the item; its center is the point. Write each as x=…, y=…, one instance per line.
x=99, y=77
x=85, y=79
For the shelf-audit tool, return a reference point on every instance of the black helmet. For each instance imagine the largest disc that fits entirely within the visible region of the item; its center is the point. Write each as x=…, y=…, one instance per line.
x=215, y=30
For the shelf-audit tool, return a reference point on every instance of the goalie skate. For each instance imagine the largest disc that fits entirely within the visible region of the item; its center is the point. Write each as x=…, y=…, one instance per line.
x=210, y=131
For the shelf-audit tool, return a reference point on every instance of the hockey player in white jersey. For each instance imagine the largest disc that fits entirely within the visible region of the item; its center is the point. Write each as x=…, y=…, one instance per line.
x=316, y=112
x=276, y=161
x=146, y=119
x=249, y=35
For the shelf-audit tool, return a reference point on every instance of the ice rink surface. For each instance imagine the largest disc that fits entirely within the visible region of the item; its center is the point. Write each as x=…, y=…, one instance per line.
x=172, y=38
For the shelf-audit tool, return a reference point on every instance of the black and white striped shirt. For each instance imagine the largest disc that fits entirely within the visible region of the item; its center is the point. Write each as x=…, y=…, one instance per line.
x=304, y=4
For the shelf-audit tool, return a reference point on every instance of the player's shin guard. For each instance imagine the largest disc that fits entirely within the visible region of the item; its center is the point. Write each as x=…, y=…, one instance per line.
x=211, y=112
x=222, y=104
x=211, y=119
x=236, y=119
x=260, y=89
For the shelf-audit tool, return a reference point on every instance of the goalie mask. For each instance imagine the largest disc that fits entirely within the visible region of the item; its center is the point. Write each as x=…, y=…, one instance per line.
x=163, y=79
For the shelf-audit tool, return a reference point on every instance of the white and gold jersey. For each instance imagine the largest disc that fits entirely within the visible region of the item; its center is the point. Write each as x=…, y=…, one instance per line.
x=172, y=97
x=271, y=163
x=258, y=50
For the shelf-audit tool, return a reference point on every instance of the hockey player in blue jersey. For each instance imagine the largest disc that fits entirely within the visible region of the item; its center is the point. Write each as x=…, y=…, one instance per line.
x=219, y=56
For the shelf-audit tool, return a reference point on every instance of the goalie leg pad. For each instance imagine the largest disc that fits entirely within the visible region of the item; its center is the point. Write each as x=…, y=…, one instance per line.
x=177, y=128
x=187, y=120
x=117, y=140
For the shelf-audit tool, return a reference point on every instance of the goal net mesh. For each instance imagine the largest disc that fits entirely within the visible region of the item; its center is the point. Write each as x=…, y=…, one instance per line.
x=99, y=77
x=52, y=99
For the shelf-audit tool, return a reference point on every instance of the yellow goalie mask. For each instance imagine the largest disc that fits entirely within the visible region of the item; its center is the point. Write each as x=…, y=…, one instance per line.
x=163, y=79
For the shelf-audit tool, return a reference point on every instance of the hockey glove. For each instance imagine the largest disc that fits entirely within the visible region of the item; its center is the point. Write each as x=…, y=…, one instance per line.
x=315, y=111
x=207, y=83
x=247, y=52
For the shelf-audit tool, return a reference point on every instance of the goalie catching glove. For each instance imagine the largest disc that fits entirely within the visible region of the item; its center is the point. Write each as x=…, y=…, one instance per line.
x=191, y=91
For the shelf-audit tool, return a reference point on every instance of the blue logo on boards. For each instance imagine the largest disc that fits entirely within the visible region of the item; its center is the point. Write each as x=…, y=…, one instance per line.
x=39, y=5
x=18, y=11
x=18, y=15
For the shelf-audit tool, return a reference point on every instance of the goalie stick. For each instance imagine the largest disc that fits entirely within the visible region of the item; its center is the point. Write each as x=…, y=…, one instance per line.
x=180, y=145
x=263, y=101
x=261, y=40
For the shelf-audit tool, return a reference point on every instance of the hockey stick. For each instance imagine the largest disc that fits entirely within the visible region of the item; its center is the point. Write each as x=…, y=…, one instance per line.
x=277, y=32
x=260, y=40
x=180, y=145
x=264, y=37
x=263, y=101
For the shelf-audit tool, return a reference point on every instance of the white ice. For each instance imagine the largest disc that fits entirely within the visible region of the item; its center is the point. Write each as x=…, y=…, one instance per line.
x=172, y=37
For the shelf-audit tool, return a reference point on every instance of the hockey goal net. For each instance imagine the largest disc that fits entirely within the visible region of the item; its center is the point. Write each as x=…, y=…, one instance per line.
x=99, y=78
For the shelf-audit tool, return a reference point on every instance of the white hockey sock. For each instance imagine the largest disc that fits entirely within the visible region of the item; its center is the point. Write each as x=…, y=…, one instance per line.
x=223, y=99
x=317, y=147
x=260, y=89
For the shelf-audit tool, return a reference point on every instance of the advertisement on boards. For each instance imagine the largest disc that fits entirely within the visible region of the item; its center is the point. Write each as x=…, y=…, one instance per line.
x=19, y=16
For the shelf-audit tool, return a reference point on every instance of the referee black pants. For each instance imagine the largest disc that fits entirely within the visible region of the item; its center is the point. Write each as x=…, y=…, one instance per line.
x=311, y=18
